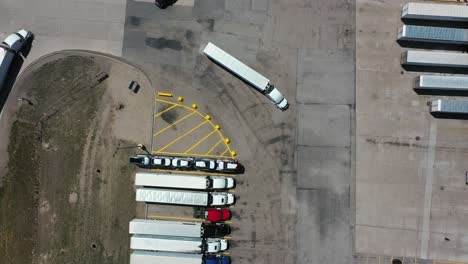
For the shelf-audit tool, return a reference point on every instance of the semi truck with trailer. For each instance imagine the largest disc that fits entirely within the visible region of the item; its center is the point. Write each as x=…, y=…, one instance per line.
x=433, y=37
x=178, y=244
x=183, y=181
x=178, y=228
x=247, y=74
x=152, y=257
x=180, y=197
x=9, y=48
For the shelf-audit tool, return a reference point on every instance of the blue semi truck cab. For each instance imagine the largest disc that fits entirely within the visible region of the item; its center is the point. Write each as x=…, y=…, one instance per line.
x=211, y=259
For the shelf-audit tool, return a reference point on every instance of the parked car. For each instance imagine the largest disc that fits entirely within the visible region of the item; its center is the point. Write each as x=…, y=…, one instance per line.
x=140, y=160
x=181, y=163
x=163, y=4
x=161, y=162
x=216, y=165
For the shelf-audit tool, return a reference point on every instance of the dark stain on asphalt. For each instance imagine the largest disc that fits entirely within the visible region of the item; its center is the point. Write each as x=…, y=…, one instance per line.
x=163, y=43
x=278, y=139
x=168, y=116
x=207, y=24
x=134, y=21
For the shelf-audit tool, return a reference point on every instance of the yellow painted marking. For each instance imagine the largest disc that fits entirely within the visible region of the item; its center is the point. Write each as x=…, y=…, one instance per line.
x=200, y=114
x=231, y=191
x=173, y=124
x=200, y=141
x=226, y=253
x=391, y=259
x=222, y=154
x=228, y=237
x=201, y=173
x=181, y=137
x=215, y=145
x=228, y=222
x=190, y=155
x=379, y=259
x=165, y=110
x=162, y=217
x=165, y=94
x=367, y=259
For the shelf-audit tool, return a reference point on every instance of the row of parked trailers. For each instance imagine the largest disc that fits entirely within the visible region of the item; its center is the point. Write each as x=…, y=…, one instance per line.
x=178, y=242
x=449, y=34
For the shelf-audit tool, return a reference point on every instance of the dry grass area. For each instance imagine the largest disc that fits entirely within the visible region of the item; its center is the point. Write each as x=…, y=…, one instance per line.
x=67, y=194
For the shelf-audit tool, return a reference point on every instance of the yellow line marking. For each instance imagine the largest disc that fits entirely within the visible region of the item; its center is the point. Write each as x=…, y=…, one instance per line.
x=391, y=259
x=379, y=259
x=165, y=94
x=184, y=135
x=224, y=152
x=190, y=155
x=232, y=191
x=228, y=237
x=165, y=110
x=200, y=114
x=200, y=141
x=201, y=173
x=367, y=259
x=228, y=222
x=226, y=253
x=211, y=149
x=173, y=124
x=162, y=217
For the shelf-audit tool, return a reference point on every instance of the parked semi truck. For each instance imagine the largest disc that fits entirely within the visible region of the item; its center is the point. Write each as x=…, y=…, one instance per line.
x=435, y=59
x=247, y=74
x=151, y=257
x=13, y=44
x=178, y=228
x=441, y=83
x=181, y=181
x=192, y=198
x=178, y=244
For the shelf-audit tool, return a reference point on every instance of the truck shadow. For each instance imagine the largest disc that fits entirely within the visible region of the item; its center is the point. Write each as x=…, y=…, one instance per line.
x=13, y=72
x=450, y=116
x=441, y=92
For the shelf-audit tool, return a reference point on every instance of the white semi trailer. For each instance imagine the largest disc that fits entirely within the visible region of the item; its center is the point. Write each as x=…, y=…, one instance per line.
x=437, y=12
x=177, y=228
x=13, y=44
x=247, y=74
x=154, y=257
x=180, y=181
x=191, y=198
x=178, y=244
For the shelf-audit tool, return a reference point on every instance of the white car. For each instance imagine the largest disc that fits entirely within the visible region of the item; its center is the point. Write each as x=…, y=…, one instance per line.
x=216, y=165
x=140, y=160
x=180, y=163
x=161, y=162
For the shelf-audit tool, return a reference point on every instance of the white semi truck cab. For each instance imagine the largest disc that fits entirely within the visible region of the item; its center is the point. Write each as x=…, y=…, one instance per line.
x=214, y=245
x=222, y=199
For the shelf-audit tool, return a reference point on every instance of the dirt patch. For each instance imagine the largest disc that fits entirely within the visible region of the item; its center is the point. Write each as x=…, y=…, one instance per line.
x=68, y=195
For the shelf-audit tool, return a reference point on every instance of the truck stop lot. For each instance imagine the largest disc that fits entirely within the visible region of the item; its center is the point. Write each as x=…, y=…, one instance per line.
x=410, y=167
x=344, y=171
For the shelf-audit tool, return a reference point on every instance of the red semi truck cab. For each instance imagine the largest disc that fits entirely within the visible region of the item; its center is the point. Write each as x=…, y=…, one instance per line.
x=217, y=215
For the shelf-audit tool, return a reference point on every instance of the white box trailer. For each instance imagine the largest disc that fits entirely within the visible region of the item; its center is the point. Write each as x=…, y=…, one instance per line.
x=433, y=35
x=449, y=107
x=151, y=257
x=247, y=74
x=439, y=12
x=178, y=244
x=177, y=228
x=191, y=198
x=441, y=82
x=434, y=59
x=183, y=181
